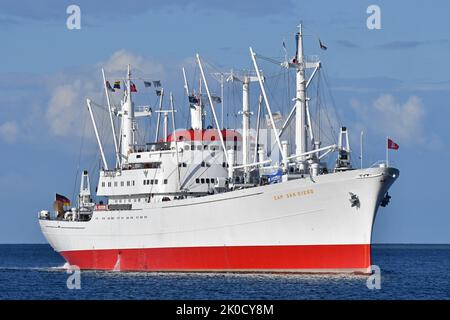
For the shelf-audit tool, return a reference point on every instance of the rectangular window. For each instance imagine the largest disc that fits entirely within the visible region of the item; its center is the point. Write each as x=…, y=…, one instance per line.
x=202, y=180
x=109, y=184
x=115, y=183
x=151, y=181
x=103, y=184
x=213, y=180
x=121, y=183
x=132, y=183
x=156, y=181
x=165, y=181
x=207, y=180
x=128, y=183
x=197, y=180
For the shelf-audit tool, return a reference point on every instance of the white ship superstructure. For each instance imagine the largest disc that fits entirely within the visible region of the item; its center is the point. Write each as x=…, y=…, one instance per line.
x=212, y=199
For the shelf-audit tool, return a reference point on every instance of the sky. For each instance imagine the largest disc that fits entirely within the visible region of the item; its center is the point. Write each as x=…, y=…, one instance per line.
x=392, y=81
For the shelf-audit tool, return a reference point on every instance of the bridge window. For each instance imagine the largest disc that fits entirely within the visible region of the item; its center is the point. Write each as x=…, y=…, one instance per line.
x=152, y=165
x=165, y=181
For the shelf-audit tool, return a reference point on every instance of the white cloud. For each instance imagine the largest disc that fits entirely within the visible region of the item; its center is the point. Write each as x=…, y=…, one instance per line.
x=64, y=108
x=67, y=104
x=8, y=132
x=119, y=61
x=402, y=121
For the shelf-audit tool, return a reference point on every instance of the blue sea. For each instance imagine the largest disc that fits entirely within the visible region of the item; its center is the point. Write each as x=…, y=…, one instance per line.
x=407, y=272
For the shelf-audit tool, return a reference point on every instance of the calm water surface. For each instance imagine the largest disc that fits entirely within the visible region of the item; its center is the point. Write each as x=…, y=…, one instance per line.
x=408, y=272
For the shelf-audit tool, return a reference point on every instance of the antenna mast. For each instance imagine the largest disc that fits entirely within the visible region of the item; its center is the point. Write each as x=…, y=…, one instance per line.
x=300, y=99
x=127, y=135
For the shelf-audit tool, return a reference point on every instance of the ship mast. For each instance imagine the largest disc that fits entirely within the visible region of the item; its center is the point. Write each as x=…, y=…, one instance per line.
x=127, y=135
x=300, y=99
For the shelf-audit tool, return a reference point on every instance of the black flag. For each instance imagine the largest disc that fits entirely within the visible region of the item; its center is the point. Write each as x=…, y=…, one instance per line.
x=322, y=46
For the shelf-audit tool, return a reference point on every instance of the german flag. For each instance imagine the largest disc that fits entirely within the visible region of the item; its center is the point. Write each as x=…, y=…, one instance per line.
x=62, y=199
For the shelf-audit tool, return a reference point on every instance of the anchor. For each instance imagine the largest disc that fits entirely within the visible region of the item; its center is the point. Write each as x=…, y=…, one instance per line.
x=386, y=199
x=354, y=200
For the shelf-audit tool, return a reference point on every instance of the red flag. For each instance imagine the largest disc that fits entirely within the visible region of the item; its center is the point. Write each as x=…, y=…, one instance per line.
x=392, y=145
x=133, y=87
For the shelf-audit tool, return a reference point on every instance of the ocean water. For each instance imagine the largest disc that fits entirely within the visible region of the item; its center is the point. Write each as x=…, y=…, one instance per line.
x=407, y=272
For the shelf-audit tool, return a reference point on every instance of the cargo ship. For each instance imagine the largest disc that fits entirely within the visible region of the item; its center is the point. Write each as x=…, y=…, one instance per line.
x=213, y=199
